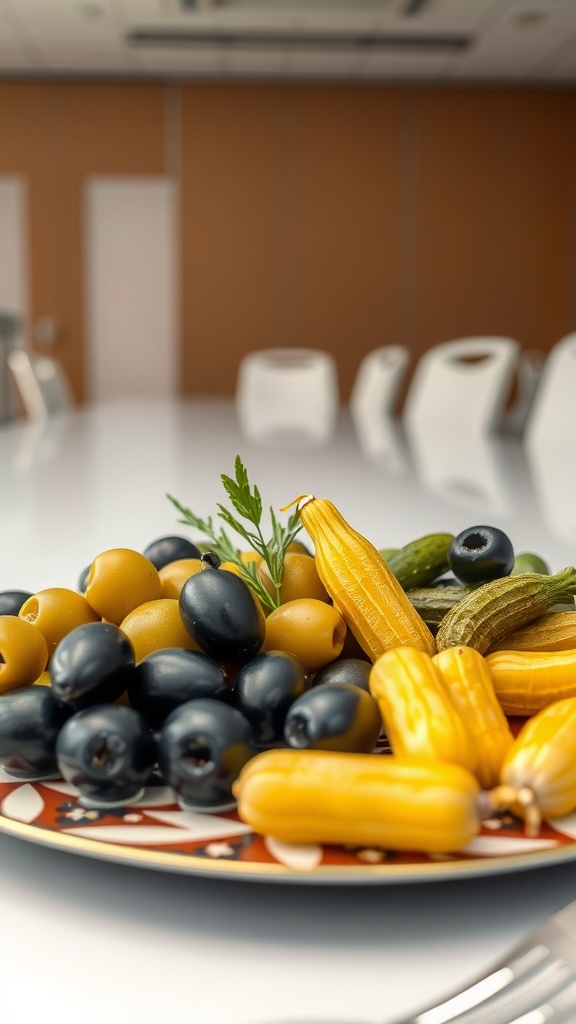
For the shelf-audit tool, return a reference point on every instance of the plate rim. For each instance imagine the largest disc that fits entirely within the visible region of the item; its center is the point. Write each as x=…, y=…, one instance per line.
x=188, y=864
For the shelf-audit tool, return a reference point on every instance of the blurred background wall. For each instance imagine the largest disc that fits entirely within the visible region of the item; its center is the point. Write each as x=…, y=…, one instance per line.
x=341, y=217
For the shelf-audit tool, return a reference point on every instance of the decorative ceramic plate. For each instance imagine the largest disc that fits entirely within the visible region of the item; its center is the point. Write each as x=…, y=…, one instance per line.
x=154, y=832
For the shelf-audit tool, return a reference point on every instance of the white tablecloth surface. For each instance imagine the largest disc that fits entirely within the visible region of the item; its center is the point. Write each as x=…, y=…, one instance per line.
x=85, y=940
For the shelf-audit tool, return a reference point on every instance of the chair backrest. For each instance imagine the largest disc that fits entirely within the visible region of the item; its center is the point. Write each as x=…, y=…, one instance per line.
x=377, y=382
x=41, y=383
x=464, y=383
x=287, y=394
x=552, y=416
x=529, y=371
x=373, y=406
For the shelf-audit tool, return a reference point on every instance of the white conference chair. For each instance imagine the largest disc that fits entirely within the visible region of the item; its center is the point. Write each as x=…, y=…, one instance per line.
x=41, y=384
x=552, y=417
x=463, y=384
x=377, y=382
x=373, y=402
x=530, y=366
x=287, y=394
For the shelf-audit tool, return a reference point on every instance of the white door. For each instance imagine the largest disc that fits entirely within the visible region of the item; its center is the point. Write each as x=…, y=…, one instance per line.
x=13, y=274
x=130, y=286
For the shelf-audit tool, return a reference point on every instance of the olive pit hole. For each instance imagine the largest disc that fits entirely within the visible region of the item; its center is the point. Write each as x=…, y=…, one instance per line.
x=475, y=542
x=30, y=611
x=106, y=751
x=197, y=756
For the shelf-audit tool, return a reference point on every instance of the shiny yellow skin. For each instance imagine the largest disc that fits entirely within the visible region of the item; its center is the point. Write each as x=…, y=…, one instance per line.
x=311, y=630
x=318, y=796
x=299, y=578
x=23, y=653
x=156, y=625
x=543, y=759
x=362, y=587
x=527, y=681
x=43, y=680
x=297, y=545
x=173, y=576
x=419, y=715
x=250, y=556
x=120, y=579
x=231, y=567
x=465, y=673
x=56, y=611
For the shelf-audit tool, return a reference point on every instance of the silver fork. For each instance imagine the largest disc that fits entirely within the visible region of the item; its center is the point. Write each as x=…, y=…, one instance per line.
x=535, y=983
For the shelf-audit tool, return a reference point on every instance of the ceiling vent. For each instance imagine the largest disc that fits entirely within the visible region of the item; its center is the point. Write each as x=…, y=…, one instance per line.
x=374, y=41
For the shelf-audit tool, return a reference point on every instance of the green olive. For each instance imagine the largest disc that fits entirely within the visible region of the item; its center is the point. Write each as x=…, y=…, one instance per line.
x=311, y=630
x=56, y=611
x=118, y=581
x=299, y=578
x=155, y=626
x=23, y=653
x=527, y=561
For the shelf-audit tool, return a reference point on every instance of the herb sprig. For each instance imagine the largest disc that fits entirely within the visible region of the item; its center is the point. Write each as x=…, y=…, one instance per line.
x=247, y=503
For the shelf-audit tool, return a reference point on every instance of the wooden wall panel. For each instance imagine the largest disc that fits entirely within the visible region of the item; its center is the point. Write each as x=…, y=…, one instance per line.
x=26, y=149
x=232, y=237
x=343, y=217
x=494, y=197
x=345, y=204
x=291, y=215
x=57, y=134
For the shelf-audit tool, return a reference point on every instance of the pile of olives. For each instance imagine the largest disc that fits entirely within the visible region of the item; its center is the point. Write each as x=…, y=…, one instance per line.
x=163, y=665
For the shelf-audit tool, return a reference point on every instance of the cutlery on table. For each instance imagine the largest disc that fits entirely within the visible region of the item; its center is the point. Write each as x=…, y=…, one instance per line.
x=535, y=983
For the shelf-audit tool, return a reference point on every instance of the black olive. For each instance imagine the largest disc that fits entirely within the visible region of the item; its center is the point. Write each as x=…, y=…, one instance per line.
x=11, y=601
x=167, y=678
x=91, y=665
x=30, y=721
x=83, y=579
x=211, y=559
x=168, y=549
x=480, y=554
x=202, y=747
x=219, y=611
x=344, y=670
x=264, y=690
x=335, y=716
x=108, y=752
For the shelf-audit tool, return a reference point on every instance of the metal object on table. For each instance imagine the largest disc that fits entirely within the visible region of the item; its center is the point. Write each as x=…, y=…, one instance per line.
x=535, y=983
x=10, y=326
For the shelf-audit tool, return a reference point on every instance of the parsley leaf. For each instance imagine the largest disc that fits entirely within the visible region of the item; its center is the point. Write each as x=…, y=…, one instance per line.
x=247, y=503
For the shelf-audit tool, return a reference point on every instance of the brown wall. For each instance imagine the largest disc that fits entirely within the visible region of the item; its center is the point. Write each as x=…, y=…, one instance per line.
x=328, y=216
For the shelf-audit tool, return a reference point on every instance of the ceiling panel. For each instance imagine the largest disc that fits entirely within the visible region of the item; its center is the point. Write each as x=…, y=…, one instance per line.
x=440, y=16
x=255, y=61
x=523, y=37
x=205, y=61
x=316, y=61
x=74, y=60
x=13, y=60
x=7, y=37
x=409, y=65
x=563, y=67
x=527, y=41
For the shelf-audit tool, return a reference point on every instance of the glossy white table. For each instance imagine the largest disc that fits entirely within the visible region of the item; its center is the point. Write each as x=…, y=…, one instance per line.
x=86, y=941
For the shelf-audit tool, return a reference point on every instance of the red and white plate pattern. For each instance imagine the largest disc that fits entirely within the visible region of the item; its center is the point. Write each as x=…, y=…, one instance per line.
x=155, y=832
